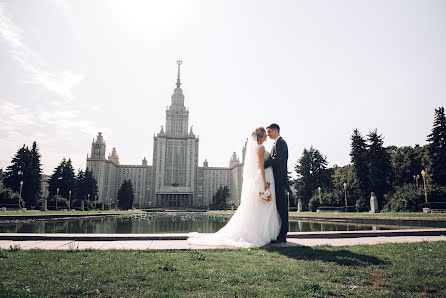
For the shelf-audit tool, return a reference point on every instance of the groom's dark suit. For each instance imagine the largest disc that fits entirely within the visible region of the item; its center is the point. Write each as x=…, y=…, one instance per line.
x=278, y=160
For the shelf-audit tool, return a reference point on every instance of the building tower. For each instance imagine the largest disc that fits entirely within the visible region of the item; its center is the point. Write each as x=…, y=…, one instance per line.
x=175, y=156
x=97, y=164
x=98, y=147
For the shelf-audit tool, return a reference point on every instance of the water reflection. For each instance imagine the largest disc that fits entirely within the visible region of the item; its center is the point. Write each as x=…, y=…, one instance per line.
x=152, y=223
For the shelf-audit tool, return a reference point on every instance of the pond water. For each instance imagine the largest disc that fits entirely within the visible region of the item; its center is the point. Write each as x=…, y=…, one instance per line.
x=159, y=223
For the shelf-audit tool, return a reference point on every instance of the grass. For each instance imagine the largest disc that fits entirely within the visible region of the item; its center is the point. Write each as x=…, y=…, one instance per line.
x=38, y=212
x=229, y=212
x=387, y=270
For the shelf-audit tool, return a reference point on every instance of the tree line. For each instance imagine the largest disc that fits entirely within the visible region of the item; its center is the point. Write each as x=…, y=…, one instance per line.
x=392, y=173
x=23, y=179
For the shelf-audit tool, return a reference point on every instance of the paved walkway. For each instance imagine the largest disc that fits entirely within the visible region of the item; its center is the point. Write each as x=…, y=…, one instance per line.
x=182, y=244
x=179, y=241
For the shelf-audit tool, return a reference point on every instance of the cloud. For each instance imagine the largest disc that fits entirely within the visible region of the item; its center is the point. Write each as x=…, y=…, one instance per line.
x=61, y=83
x=20, y=122
x=56, y=129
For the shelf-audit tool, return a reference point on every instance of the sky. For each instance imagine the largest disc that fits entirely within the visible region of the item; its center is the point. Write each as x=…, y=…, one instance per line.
x=320, y=69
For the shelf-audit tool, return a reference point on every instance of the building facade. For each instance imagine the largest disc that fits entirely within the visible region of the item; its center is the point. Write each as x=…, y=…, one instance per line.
x=174, y=180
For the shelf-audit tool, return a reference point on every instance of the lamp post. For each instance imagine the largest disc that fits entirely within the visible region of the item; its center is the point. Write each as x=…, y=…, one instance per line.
x=57, y=196
x=423, y=173
x=95, y=200
x=345, y=193
x=69, y=200
x=20, y=193
x=320, y=198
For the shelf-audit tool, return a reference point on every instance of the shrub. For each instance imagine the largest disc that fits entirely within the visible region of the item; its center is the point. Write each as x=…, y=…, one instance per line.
x=330, y=208
x=350, y=209
x=434, y=205
x=62, y=203
x=362, y=204
x=7, y=196
x=329, y=199
x=408, y=198
x=314, y=203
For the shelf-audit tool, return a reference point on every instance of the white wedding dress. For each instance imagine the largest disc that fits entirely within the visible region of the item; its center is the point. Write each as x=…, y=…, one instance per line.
x=256, y=222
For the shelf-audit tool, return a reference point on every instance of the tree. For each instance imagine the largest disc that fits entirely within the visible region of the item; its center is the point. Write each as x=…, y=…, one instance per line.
x=126, y=195
x=80, y=189
x=84, y=185
x=91, y=185
x=437, y=147
x=379, y=166
x=7, y=196
x=347, y=175
x=62, y=179
x=25, y=167
x=312, y=172
x=292, y=198
x=220, y=198
x=35, y=176
x=406, y=163
x=359, y=160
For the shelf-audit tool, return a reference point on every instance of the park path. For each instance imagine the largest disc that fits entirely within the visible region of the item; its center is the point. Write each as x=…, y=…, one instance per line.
x=183, y=244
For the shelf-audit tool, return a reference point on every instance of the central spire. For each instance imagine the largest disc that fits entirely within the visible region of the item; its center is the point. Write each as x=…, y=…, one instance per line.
x=179, y=62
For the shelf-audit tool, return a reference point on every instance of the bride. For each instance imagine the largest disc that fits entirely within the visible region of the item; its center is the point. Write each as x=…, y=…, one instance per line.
x=256, y=221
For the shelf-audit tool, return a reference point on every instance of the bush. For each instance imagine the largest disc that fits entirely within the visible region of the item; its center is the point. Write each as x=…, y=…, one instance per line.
x=314, y=203
x=410, y=199
x=350, y=209
x=7, y=196
x=434, y=205
x=329, y=199
x=62, y=203
x=362, y=204
x=330, y=208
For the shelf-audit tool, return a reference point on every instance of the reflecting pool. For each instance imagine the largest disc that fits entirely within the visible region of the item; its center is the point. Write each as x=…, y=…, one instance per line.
x=159, y=223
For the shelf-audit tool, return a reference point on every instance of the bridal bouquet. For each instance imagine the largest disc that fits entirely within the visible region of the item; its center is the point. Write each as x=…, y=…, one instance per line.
x=265, y=196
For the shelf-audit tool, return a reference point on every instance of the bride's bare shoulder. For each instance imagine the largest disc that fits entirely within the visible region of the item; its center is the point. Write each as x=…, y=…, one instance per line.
x=261, y=148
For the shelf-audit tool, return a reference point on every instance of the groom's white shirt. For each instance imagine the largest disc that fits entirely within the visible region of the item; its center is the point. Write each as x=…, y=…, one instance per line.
x=273, y=151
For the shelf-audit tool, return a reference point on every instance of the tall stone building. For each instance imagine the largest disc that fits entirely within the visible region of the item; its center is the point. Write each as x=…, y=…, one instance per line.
x=110, y=175
x=175, y=156
x=174, y=180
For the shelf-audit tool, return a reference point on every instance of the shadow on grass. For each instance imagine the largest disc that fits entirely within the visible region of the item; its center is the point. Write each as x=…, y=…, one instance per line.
x=340, y=257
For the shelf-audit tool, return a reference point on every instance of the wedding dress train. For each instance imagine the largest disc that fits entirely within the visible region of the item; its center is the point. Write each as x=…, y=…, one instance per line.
x=256, y=222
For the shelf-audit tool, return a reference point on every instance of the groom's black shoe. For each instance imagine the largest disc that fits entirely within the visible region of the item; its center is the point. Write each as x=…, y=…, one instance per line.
x=278, y=241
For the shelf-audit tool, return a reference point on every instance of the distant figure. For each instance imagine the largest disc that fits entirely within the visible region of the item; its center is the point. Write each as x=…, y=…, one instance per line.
x=373, y=203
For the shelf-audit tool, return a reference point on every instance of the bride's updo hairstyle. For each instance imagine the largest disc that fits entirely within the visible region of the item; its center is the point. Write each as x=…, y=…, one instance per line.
x=259, y=133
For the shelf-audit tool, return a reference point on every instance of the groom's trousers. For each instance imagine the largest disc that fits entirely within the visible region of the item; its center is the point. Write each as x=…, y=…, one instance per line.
x=282, y=208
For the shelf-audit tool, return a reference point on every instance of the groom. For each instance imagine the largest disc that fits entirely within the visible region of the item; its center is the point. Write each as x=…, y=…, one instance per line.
x=278, y=160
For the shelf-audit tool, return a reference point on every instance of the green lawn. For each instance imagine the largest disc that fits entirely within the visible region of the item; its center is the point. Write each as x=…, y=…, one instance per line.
x=38, y=212
x=387, y=270
x=298, y=214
